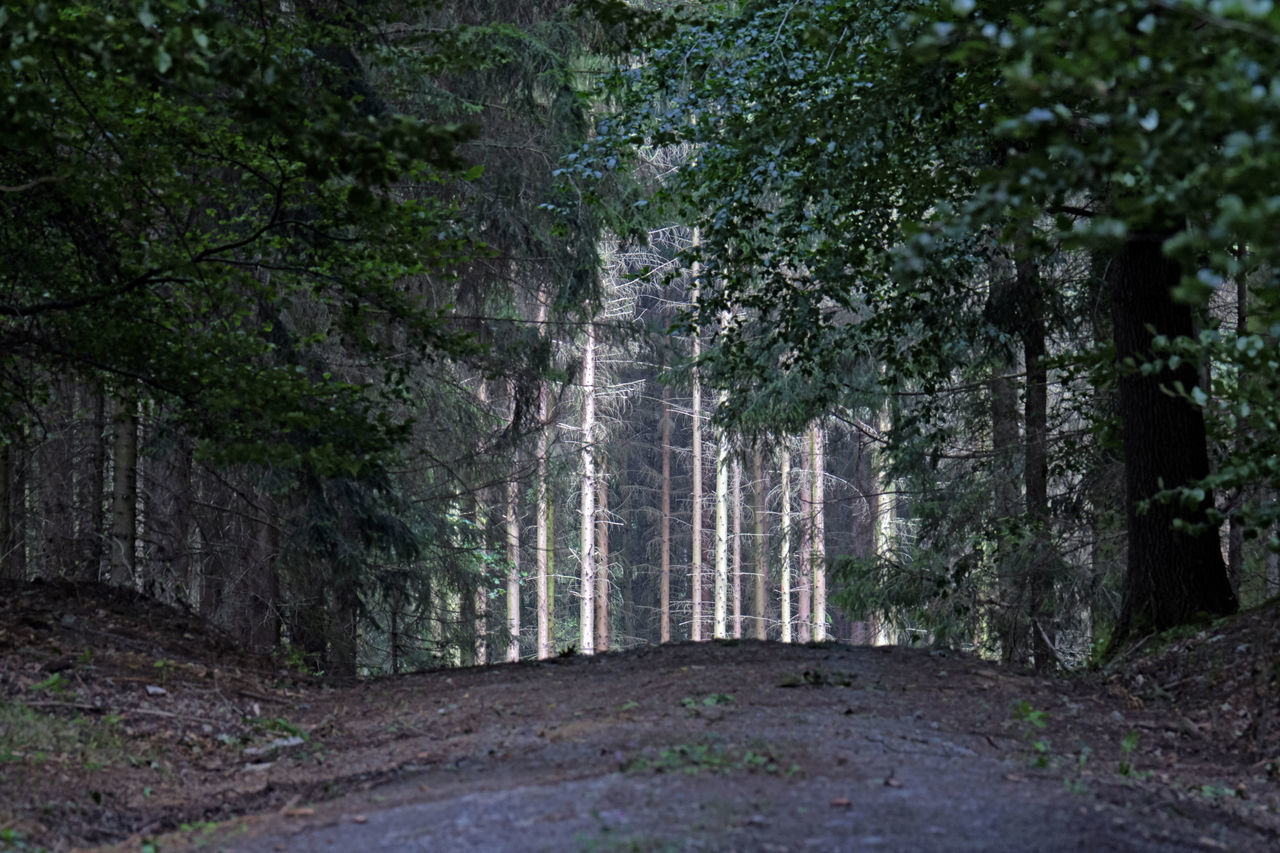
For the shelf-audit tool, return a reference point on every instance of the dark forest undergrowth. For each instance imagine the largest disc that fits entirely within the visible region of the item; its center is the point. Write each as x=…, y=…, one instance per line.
x=123, y=721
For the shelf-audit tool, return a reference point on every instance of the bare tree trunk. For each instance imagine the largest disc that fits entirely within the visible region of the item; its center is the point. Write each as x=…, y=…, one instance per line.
x=664, y=623
x=695, y=565
x=886, y=513
x=1036, y=471
x=6, y=509
x=602, y=563
x=54, y=462
x=760, y=487
x=1005, y=439
x=513, y=563
x=804, y=576
x=124, y=493
x=737, y=548
x=90, y=488
x=785, y=557
x=721, y=595
x=1235, y=527
x=817, y=451
x=542, y=512
x=586, y=610
x=1172, y=575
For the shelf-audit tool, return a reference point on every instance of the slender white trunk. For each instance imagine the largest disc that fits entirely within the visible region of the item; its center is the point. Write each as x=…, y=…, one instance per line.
x=760, y=487
x=695, y=568
x=784, y=558
x=664, y=627
x=720, y=627
x=602, y=558
x=542, y=533
x=587, y=575
x=513, y=554
x=737, y=548
x=816, y=452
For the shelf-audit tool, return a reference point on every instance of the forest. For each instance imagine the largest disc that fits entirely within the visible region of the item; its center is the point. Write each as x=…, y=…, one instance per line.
x=396, y=334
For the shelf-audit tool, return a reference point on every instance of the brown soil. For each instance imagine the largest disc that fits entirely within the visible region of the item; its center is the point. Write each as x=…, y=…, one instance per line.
x=126, y=722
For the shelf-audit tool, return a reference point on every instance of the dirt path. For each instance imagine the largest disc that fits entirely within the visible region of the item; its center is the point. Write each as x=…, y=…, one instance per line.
x=754, y=747
x=126, y=722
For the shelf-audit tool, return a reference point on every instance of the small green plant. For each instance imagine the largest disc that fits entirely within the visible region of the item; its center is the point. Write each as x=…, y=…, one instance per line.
x=1127, y=745
x=629, y=705
x=1022, y=710
x=708, y=700
x=1042, y=755
x=55, y=683
x=165, y=668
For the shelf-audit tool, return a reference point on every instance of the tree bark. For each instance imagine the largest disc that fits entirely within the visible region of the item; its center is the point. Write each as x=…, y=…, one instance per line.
x=695, y=561
x=602, y=562
x=664, y=603
x=720, y=624
x=513, y=562
x=587, y=564
x=804, y=576
x=1036, y=463
x=124, y=492
x=1173, y=574
x=784, y=558
x=760, y=487
x=737, y=548
x=817, y=451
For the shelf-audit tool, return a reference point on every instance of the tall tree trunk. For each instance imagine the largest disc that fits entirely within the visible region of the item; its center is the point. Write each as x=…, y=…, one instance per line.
x=695, y=564
x=1235, y=526
x=543, y=536
x=664, y=605
x=784, y=558
x=1173, y=574
x=886, y=515
x=804, y=577
x=587, y=575
x=90, y=488
x=817, y=452
x=1005, y=439
x=737, y=548
x=54, y=461
x=124, y=492
x=602, y=561
x=760, y=487
x=721, y=595
x=513, y=562
x=6, y=509
x=1036, y=464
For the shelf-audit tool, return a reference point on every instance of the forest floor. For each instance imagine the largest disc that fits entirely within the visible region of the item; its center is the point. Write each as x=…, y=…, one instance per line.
x=125, y=722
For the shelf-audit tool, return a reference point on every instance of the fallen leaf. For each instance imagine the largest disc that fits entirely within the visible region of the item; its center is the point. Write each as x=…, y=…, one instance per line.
x=892, y=782
x=424, y=787
x=841, y=801
x=1013, y=777
x=359, y=819
x=299, y=811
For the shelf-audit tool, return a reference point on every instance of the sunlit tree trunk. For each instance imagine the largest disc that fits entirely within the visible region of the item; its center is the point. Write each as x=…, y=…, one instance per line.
x=886, y=513
x=695, y=564
x=784, y=558
x=542, y=517
x=720, y=624
x=513, y=558
x=664, y=605
x=602, y=561
x=124, y=492
x=817, y=452
x=737, y=548
x=760, y=487
x=804, y=577
x=587, y=563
